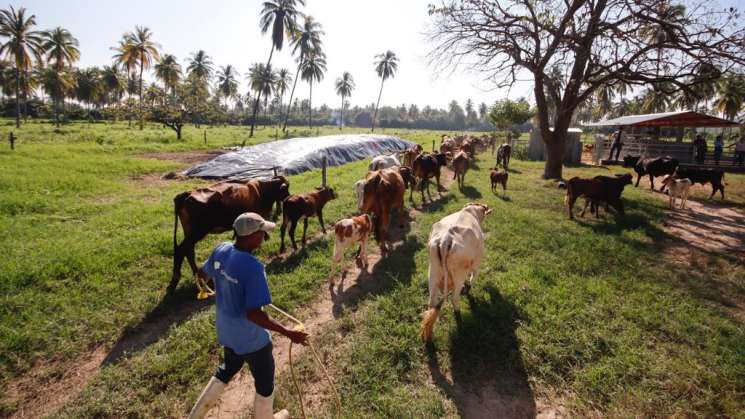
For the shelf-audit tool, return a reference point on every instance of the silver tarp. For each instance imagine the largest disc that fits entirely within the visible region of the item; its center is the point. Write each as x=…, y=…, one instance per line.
x=296, y=155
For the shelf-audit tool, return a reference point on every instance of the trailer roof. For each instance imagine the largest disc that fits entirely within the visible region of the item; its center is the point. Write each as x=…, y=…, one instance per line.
x=666, y=119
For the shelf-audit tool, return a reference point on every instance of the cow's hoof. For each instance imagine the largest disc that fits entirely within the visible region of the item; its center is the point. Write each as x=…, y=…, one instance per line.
x=466, y=288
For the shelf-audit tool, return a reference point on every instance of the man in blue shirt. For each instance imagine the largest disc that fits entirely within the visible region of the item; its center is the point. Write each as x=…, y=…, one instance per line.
x=241, y=290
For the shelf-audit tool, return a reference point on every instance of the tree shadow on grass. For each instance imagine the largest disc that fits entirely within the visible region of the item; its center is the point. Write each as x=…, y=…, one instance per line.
x=488, y=377
x=174, y=308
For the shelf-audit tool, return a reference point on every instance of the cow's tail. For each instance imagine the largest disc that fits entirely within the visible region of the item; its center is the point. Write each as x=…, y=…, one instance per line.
x=178, y=203
x=430, y=316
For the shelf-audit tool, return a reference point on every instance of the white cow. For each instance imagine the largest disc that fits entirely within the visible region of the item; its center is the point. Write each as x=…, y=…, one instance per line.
x=456, y=245
x=677, y=188
x=383, y=162
x=349, y=231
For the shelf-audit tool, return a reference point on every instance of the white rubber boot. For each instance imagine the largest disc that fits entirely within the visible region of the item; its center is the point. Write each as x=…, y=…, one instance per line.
x=210, y=395
x=264, y=408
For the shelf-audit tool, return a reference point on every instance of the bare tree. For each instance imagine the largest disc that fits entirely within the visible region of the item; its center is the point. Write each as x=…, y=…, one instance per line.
x=571, y=48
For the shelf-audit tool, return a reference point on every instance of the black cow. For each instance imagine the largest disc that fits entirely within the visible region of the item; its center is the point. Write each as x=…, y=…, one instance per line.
x=703, y=176
x=653, y=166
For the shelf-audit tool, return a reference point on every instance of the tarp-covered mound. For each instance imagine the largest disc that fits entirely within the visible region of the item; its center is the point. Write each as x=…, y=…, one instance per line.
x=296, y=155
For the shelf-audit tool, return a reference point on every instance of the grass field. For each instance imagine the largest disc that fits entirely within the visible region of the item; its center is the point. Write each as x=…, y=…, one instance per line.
x=589, y=315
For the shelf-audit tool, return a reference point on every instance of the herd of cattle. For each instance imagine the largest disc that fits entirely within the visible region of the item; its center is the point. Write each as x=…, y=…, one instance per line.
x=456, y=242
x=677, y=180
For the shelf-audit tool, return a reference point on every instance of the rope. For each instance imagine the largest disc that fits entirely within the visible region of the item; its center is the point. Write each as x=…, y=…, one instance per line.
x=301, y=327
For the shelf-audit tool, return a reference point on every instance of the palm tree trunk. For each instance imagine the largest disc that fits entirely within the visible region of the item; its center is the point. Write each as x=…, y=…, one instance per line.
x=310, y=105
x=341, y=121
x=18, y=97
x=258, y=95
x=375, y=116
x=289, y=104
x=142, y=116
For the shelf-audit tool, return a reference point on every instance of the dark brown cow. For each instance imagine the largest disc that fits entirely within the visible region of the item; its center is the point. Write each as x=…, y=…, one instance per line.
x=213, y=210
x=383, y=192
x=407, y=159
x=498, y=177
x=407, y=174
x=427, y=166
x=295, y=207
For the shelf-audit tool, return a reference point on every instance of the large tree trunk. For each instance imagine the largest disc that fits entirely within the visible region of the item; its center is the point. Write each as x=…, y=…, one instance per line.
x=554, y=156
x=289, y=104
x=375, y=116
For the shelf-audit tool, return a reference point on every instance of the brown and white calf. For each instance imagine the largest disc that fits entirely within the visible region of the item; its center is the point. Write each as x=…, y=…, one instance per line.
x=347, y=233
x=456, y=246
x=295, y=207
x=677, y=188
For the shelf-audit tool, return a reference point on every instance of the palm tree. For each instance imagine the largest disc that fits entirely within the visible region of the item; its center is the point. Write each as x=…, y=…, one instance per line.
x=312, y=70
x=344, y=87
x=200, y=66
x=281, y=85
x=657, y=98
x=385, y=65
x=261, y=80
x=730, y=95
x=168, y=70
x=87, y=85
x=57, y=84
x=305, y=40
x=138, y=48
x=21, y=43
x=281, y=16
x=61, y=51
x=227, y=85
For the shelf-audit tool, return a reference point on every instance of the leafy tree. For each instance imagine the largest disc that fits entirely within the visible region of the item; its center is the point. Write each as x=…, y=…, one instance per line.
x=386, y=65
x=281, y=17
x=87, y=85
x=730, y=95
x=506, y=113
x=281, y=85
x=113, y=83
x=313, y=69
x=173, y=112
x=21, y=42
x=61, y=51
x=57, y=84
x=138, y=49
x=304, y=40
x=344, y=87
x=573, y=48
x=200, y=66
x=261, y=80
x=168, y=71
x=483, y=110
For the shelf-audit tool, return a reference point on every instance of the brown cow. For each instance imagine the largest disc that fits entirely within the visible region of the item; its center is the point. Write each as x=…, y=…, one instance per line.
x=383, y=192
x=427, y=166
x=460, y=167
x=410, y=154
x=347, y=233
x=213, y=210
x=448, y=145
x=498, y=177
x=295, y=207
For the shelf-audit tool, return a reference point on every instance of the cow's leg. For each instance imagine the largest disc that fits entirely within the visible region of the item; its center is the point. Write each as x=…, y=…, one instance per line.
x=385, y=219
x=651, y=182
x=178, y=259
x=439, y=186
x=305, y=229
x=421, y=188
x=293, y=226
x=721, y=191
x=582, y=214
x=671, y=200
x=282, y=234
x=363, y=251
x=320, y=220
x=638, y=178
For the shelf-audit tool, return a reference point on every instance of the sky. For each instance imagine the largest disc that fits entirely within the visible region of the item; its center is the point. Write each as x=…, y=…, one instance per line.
x=355, y=31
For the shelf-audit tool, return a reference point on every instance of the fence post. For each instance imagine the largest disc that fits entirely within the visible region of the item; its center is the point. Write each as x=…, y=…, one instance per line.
x=205, y=136
x=433, y=145
x=275, y=171
x=12, y=140
x=323, y=171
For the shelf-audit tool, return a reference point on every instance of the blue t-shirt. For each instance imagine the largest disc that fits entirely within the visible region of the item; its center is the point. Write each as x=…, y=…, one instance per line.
x=240, y=286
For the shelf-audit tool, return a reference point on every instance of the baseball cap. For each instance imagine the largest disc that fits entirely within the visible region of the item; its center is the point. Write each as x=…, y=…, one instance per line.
x=250, y=222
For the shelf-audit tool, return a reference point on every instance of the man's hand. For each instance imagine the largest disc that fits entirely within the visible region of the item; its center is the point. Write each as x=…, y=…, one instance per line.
x=298, y=337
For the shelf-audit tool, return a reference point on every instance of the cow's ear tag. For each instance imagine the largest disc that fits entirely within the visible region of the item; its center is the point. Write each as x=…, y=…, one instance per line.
x=217, y=265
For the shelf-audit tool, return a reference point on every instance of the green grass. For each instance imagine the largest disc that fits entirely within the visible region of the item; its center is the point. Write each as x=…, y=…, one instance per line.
x=588, y=311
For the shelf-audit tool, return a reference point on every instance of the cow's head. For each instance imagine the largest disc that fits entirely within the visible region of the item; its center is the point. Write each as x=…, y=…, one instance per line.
x=279, y=188
x=626, y=178
x=327, y=192
x=480, y=211
x=442, y=159
x=630, y=161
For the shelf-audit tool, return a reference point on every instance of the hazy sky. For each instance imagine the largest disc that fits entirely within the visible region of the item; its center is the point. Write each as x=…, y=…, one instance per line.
x=355, y=30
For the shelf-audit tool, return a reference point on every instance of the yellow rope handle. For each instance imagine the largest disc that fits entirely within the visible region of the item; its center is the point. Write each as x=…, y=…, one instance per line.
x=301, y=327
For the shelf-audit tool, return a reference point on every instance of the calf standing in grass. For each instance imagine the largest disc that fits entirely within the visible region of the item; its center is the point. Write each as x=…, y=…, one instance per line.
x=456, y=246
x=504, y=152
x=460, y=167
x=349, y=231
x=295, y=207
x=498, y=177
x=677, y=188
